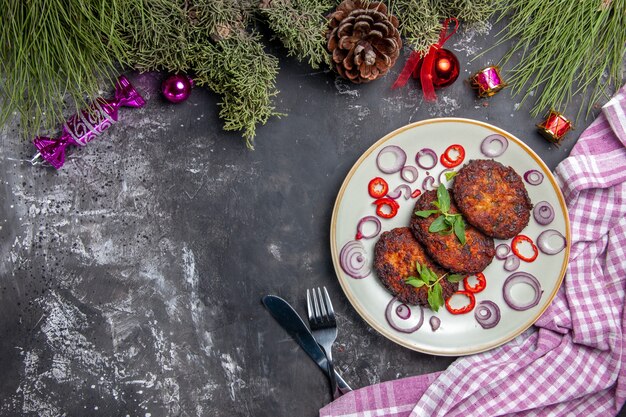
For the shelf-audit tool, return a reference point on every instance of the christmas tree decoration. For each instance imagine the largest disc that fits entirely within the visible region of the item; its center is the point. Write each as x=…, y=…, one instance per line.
x=438, y=68
x=554, y=127
x=445, y=69
x=487, y=81
x=54, y=52
x=87, y=125
x=213, y=40
x=363, y=39
x=57, y=52
x=176, y=88
x=568, y=48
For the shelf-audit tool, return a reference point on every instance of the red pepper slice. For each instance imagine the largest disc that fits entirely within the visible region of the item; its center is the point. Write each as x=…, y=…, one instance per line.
x=448, y=161
x=416, y=193
x=480, y=285
x=523, y=238
x=392, y=204
x=465, y=309
x=378, y=187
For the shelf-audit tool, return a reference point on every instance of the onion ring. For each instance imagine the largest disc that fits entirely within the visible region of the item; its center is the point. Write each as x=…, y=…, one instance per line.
x=502, y=251
x=390, y=319
x=426, y=152
x=428, y=183
x=400, y=190
x=409, y=169
x=511, y=263
x=487, y=149
x=533, y=177
x=487, y=314
x=353, y=261
x=543, y=213
x=359, y=227
x=521, y=278
x=435, y=322
x=400, y=159
x=543, y=242
x=403, y=311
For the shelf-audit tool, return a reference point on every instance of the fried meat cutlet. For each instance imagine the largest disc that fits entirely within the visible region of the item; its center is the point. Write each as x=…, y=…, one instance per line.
x=395, y=255
x=445, y=249
x=492, y=198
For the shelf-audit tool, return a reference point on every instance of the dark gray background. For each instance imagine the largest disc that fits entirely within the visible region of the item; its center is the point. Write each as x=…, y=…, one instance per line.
x=131, y=279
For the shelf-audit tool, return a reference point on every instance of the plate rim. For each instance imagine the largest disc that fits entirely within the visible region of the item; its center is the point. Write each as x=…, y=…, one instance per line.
x=366, y=316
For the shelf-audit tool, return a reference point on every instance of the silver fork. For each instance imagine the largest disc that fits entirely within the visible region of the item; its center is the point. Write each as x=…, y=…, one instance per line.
x=324, y=329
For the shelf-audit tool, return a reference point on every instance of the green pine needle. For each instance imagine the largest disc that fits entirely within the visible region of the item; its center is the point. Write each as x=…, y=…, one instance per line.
x=567, y=48
x=52, y=53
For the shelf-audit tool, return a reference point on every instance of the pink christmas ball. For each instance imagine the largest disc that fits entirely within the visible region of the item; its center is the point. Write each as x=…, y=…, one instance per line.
x=176, y=88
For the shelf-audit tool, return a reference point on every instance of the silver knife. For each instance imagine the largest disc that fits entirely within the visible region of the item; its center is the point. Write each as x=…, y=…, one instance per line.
x=290, y=320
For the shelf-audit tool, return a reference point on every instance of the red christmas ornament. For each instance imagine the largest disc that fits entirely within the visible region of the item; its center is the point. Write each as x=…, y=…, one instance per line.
x=437, y=66
x=176, y=88
x=445, y=69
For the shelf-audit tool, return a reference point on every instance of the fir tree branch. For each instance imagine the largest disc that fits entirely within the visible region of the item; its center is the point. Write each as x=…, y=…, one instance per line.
x=240, y=70
x=467, y=10
x=420, y=23
x=421, y=20
x=208, y=39
x=300, y=25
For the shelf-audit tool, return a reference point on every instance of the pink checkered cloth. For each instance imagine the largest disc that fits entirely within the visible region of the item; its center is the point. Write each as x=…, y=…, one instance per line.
x=572, y=362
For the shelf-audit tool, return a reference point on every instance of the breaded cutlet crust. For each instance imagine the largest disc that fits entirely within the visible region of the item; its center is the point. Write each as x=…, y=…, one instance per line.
x=492, y=198
x=445, y=249
x=395, y=255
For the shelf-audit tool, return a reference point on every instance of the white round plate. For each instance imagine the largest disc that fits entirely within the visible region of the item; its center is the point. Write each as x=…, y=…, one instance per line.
x=458, y=334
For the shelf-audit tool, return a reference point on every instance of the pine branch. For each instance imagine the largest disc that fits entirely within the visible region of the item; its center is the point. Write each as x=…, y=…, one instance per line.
x=300, y=25
x=421, y=20
x=51, y=52
x=465, y=10
x=420, y=23
x=567, y=48
x=240, y=70
x=208, y=39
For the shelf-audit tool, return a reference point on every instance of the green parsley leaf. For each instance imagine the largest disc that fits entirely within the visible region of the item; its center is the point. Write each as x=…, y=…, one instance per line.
x=438, y=225
x=455, y=277
x=426, y=274
x=450, y=220
x=433, y=276
x=444, y=198
x=435, y=297
x=425, y=213
x=414, y=281
x=459, y=229
x=450, y=175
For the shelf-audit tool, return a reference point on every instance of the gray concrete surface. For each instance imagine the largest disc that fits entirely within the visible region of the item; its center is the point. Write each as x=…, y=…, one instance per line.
x=130, y=280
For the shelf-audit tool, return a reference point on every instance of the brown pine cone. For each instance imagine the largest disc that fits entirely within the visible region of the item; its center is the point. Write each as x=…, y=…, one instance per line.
x=363, y=39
